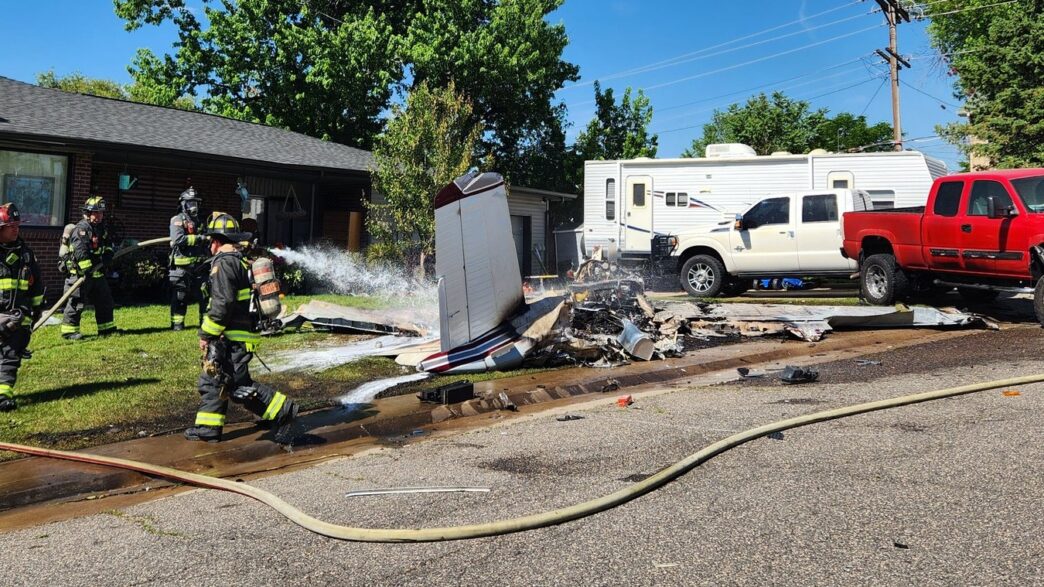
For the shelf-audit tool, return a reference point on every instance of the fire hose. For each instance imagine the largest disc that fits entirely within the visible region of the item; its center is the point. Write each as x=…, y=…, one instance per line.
x=533, y=521
x=76, y=284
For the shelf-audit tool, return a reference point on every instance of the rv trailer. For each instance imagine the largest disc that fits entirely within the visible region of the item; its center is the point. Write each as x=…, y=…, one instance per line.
x=627, y=202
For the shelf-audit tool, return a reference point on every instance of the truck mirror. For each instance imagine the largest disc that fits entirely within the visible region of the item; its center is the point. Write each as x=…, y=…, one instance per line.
x=991, y=208
x=738, y=225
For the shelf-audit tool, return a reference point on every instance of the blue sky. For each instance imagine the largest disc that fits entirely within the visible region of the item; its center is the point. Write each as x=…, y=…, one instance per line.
x=696, y=55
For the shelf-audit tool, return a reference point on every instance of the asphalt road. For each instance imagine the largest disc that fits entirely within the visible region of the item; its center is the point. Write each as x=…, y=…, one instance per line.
x=944, y=493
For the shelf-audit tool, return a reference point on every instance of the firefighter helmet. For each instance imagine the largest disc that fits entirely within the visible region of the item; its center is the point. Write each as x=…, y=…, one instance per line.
x=223, y=226
x=190, y=201
x=9, y=214
x=94, y=204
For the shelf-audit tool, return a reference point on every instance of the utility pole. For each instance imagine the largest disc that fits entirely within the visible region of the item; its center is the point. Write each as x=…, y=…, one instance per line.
x=895, y=14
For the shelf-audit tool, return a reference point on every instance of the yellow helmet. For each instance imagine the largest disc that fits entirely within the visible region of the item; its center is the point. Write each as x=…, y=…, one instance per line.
x=224, y=226
x=94, y=204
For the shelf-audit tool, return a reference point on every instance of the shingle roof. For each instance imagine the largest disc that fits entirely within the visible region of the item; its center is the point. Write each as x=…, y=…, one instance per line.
x=30, y=110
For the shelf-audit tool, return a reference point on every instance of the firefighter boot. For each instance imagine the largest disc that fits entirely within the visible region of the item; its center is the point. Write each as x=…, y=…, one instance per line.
x=204, y=433
x=7, y=404
x=286, y=429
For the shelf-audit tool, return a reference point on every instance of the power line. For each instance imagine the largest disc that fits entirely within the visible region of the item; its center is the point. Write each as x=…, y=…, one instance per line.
x=871, y=101
x=967, y=9
x=920, y=91
x=719, y=45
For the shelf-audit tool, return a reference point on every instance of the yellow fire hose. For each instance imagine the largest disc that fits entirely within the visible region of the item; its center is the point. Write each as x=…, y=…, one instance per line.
x=526, y=522
x=76, y=284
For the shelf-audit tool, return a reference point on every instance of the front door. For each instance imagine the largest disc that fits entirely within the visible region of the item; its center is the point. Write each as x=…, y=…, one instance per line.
x=767, y=243
x=637, y=217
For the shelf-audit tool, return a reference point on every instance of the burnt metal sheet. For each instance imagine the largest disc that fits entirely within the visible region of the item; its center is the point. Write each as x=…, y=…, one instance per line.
x=348, y=320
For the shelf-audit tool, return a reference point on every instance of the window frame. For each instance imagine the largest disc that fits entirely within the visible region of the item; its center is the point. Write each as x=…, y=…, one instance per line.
x=610, y=199
x=60, y=204
x=957, y=202
x=806, y=197
x=765, y=203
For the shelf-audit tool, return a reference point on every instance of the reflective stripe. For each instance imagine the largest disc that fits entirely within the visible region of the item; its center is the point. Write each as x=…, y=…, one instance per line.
x=191, y=239
x=11, y=259
x=68, y=328
x=8, y=284
x=274, y=406
x=27, y=321
x=85, y=264
x=37, y=300
x=210, y=419
x=7, y=389
x=242, y=336
x=177, y=319
x=185, y=260
x=211, y=327
x=106, y=326
x=97, y=274
x=243, y=295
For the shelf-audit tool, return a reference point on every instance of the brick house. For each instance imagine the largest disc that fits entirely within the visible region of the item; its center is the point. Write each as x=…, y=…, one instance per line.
x=56, y=148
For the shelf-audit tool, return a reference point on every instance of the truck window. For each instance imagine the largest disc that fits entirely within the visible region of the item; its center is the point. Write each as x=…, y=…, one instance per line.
x=819, y=208
x=983, y=189
x=610, y=199
x=948, y=198
x=770, y=211
x=1031, y=190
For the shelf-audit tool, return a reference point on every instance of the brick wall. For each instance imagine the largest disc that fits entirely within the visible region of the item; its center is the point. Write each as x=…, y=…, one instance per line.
x=142, y=213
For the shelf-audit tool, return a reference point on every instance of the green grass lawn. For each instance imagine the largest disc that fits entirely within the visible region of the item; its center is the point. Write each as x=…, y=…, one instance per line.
x=80, y=393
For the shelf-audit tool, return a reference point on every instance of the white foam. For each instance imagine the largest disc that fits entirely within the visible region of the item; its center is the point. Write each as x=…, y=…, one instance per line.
x=367, y=391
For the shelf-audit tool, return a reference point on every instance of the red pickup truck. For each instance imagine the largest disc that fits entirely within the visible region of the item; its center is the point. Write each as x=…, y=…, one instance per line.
x=981, y=232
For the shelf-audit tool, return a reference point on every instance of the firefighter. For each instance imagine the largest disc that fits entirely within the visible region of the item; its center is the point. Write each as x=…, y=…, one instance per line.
x=21, y=296
x=227, y=338
x=90, y=255
x=188, y=253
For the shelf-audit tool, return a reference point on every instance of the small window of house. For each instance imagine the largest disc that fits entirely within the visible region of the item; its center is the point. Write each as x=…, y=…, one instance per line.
x=948, y=198
x=819, y=208
x=610, y=199
x=671, y=198
x=683, y=200
x=35, y=182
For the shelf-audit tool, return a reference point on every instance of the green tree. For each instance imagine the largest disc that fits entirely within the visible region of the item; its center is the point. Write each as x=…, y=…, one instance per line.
x=427, y=144
x=996, y=54
x=81, y=84
x=848, y=132
x=765, y=123
x=330, y=68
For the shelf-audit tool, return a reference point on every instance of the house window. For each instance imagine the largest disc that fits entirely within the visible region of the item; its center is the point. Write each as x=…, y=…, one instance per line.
x=610, y=199
x=35, y=182
x=677, y=199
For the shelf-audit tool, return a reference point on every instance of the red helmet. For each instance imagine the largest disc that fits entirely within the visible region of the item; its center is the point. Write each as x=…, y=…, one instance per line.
x=9, y=214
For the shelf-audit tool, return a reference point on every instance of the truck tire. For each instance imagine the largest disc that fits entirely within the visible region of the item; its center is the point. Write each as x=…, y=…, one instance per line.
x=703, y=276
x=882, y=281
x=1038, y=300
x=977, y=296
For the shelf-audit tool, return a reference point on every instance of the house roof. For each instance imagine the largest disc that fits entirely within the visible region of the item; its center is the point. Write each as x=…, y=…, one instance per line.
x=29, y=111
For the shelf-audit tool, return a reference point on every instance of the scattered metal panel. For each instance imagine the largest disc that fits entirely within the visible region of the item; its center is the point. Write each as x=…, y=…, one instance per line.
x=355, y=320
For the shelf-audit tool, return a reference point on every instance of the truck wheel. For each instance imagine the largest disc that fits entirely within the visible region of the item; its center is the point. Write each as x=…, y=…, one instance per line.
x=977, y=295
x=703, y=276
x=881, y=281
x=1038, y=301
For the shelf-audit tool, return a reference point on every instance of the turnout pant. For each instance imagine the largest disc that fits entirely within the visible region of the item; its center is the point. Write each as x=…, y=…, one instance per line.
x=96, y=291
x=11, y=348
x=234, y=358
x=185, y=287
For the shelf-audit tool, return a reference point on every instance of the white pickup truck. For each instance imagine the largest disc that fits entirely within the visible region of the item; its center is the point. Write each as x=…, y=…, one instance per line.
x=787, y=235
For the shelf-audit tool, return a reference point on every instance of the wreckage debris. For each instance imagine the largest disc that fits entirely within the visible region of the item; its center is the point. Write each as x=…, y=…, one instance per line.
x=451, y=393
x=792, y=375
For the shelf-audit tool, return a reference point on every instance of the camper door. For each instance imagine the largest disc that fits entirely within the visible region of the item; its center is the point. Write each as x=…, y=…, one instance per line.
x=637, y=217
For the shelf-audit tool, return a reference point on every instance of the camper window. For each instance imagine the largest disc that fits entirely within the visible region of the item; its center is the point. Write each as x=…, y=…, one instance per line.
x=819, y=208
x=677, y=199
x=638, y=195
x=610, y=199
x=882, y=199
